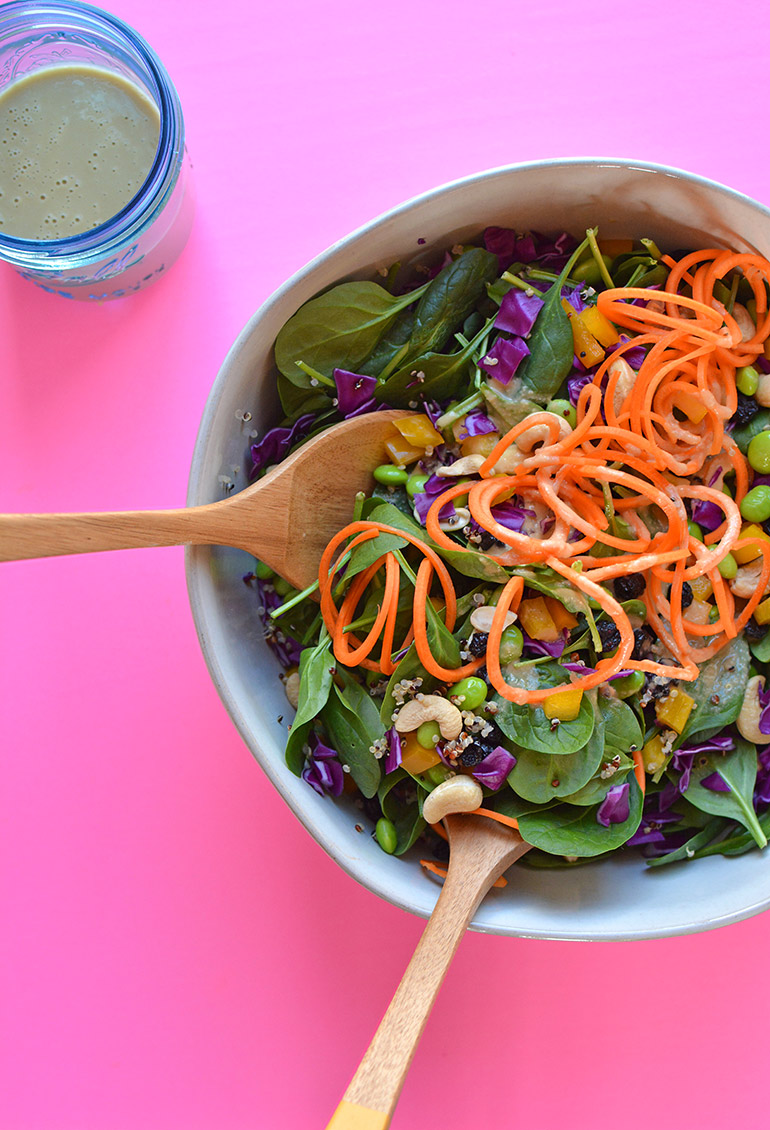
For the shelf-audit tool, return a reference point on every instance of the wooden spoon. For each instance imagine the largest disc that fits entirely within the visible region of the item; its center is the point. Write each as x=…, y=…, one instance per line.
x=481, y=850
x=285, y=519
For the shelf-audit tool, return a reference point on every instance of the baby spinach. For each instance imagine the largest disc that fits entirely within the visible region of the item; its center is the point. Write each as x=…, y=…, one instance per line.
x=547, y=581
x=739, y=770
x=622, y=732
x=300, y=397
x=431, y=376
x=450, y=298
x=528, y=727
x=353, y=723
x=541, y=777
x=315, y=681
x=474, y=564
x=595, y=790
x=743, y=434
x=760, y=649
x=718, y=691
x=409, y=667
x=390, y=345
x=338, y=329
x=400, y=807
x=700, y=839
x=564, y=830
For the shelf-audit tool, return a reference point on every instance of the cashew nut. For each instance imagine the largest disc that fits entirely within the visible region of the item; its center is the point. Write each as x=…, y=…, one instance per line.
x=481, y=618
x=744, y=583
x=625, y=382
x=762, y=395
x=458, y=794
x=541, y=433
x=467, y=465
x=748, y=719
x=745, y=322
x=291, y=686
x=430, y=708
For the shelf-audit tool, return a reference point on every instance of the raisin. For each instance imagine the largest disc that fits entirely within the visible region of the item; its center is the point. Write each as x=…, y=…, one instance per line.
x=746, y=410
x=629, y=587
x=609, y=634
x=642, y=643
x=754, y=632
x=477, y=644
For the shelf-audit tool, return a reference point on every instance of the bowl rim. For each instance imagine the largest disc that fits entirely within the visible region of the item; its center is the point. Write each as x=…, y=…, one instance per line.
x=423, y=900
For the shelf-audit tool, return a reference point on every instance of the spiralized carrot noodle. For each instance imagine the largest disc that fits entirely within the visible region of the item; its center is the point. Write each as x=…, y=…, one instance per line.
x=645, y=441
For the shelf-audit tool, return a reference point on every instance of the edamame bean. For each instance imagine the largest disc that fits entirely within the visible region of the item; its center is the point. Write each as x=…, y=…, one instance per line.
x=390, y=475
x=695, y=531
x=437, y=774
x=759, y=452
x=282, y=587
x=747, y=380
x=428, y=734
x=385, y=833
x=628, y=684
x=563, y=408
x=755, y=507
x=262, y=571
x=469, y=693
x=511, y=644
x=728, y=567
x=415, y=483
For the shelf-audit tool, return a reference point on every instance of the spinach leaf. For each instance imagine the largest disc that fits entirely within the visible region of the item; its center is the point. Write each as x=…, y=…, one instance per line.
x=541, y=777
x=432, y=376
x=739, y=770
x=622, y=732
x=597, y=788
x=450, y=298
x=396, y=496
x=545, y=580
x=551, y=346
x=315, y=681
x=404, y=810
x=444, y=647
x=390, y=345
x=640, y=266
x=296, y=399
x=743, y=434
x=733, y=843
x=338, y=329
x=353, y=724
x=760, y=649
x=700, y=839
x=472, y=563
x=409, y=667
x=565, y=830
x=528, y=727
x=718, y=691
x=508, y=803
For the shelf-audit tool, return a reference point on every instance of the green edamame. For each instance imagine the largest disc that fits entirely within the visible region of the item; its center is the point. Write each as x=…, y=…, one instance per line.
x=415, y=483
x=469, y=693
x=755, y=506
x=428, y=734
x=759, y=452
x=747, y=380
x=564, y=409
x=511, y=644
x=385, y=833
x=390, y=475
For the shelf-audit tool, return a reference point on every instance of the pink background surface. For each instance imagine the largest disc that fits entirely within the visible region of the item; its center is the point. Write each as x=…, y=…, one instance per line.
x=176, y=952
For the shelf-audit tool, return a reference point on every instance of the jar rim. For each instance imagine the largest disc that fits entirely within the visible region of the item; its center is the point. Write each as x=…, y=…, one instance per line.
x=162, y=174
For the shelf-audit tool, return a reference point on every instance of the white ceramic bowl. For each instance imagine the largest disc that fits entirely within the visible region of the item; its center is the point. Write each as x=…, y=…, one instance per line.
x=609, y=900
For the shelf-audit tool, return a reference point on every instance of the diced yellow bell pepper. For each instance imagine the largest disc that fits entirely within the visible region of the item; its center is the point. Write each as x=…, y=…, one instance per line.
x=750, y=552
x=400, y=452
x=693, y=408
x=653, y=757
x=674, y=710
x=762, y=612
x=479, y=445
x=615, y=247
x=559, y=614
x=698, y=612
x=415, y=758
x=599, y=325
x=702, y=587
x=537, y=621
x=419, y=431
x=564, y=705
x=585, y=344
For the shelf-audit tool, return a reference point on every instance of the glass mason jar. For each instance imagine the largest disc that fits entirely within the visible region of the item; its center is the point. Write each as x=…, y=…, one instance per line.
x=132, y=248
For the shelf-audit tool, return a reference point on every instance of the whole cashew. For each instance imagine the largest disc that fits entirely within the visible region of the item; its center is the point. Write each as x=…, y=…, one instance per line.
x=744, y=583
x=762, y=395
x=466, y=465
x=430, y=708
x=626, y=379
x=458, y=794
x=748, y=719
x=541, y=433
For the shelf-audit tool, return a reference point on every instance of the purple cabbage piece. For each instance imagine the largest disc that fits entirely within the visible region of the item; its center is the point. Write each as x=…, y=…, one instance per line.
x=394, y=754
x=763, y=694
x=615, y=807
x=575, y=385
x=720, y=743
x=432, y=410
x=518, y=312
x=276, y=443
x=554, y=648
x=323, y=771
x=508, y=247
x=355, y=393
x=287, y=650
x=476, y=423
x=504, y=358
x=581, y=669
x=634, y=356
x=424, y=499
x=495, y=767
x=554, y=253
x=762, y=364
x=761, y=481
x=707, y=514
x=716, y=783
x=511, y=516
x=574, y=295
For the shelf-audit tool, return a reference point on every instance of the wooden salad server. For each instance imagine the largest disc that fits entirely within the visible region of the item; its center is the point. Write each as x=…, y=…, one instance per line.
x=481, y=850
x=285, y=519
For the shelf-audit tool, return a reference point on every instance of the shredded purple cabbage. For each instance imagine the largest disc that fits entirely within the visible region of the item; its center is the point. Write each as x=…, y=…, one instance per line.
x=518, y=312
x=355, y=393
x=504, y=358
x=424, y=499
x=720, y=743
x=277, y=443
x=615, y=807
x=323, y=771
x=707, y=514
x=393, y=756
x=508, y=247
x=763, y=694
x=511, y=516
x=554, y=648
x=287, y=649
x=476, y=423
x=495, y=767
x=575, y=385
x=634, y=356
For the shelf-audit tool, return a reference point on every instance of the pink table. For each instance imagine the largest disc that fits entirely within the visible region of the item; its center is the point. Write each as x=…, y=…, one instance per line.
x=177, y=954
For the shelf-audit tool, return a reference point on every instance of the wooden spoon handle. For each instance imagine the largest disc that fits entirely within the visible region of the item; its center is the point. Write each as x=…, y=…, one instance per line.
x=52, y=535
x=370, y=1100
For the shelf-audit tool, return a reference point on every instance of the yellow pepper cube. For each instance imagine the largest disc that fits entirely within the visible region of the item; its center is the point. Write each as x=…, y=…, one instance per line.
x=564, y=705
x=750, y=552
x=559, y=614
x=415, y=758
x=584, y=343
x=653, y=757
x=693, y=408
x=418, y=431
x=537, y=621
x=674, y=710
x=762, y=612
x=402, y=453
x=599, y=325
x=480, y=445
x=702, y=588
